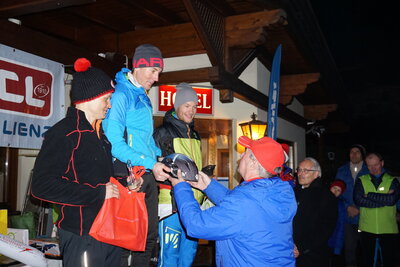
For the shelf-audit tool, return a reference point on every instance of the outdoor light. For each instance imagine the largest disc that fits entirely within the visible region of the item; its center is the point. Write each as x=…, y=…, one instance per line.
x=254, y=129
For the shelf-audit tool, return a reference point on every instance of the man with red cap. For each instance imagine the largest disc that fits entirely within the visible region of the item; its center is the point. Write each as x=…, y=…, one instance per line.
x=252, y=224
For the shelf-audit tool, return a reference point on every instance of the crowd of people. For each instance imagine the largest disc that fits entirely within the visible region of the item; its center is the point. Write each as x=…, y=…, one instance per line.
x=269, y=219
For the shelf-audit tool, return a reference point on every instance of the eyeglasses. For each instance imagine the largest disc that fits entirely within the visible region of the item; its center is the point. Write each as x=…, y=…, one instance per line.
x=298, y=170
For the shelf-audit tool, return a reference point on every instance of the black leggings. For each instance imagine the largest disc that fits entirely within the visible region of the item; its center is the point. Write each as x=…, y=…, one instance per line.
x=86, y=251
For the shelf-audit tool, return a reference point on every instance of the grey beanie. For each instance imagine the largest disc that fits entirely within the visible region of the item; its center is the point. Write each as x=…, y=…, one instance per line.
x=146, y=56
x=184, y=93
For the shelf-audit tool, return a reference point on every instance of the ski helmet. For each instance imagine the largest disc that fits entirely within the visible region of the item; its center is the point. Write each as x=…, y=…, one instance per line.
x=184, y=163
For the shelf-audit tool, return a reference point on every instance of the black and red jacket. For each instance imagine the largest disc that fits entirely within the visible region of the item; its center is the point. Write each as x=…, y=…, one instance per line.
x=71, y=170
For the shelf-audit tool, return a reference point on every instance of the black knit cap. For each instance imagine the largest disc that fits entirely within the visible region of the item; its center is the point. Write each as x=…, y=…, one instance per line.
x=146, y=56
x=89, y=82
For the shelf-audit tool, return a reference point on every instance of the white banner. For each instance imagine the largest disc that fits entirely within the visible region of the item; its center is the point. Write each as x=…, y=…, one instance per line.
x=31, y=97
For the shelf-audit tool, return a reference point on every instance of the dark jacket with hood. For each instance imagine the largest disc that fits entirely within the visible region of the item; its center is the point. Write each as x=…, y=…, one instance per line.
x=177, y=136
x=71, y=170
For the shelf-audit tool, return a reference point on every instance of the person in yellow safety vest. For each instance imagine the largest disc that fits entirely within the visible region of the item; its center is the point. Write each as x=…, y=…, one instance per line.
x=377, y=193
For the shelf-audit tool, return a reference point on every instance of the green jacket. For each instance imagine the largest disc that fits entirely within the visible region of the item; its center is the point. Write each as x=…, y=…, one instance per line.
x=381, y=220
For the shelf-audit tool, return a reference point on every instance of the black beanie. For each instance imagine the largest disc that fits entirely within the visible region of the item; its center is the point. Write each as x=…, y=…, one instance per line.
x=88, y=82
x=146, y=56
x=361, y=148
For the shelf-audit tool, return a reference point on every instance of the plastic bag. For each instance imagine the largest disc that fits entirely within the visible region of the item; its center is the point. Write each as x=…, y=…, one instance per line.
x=27, y=220
x=122, y=222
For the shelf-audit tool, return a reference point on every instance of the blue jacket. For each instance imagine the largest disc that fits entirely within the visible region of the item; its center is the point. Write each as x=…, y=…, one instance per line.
x=252, y=224
x=131, y=110
x=344, y=173
x=336, y=241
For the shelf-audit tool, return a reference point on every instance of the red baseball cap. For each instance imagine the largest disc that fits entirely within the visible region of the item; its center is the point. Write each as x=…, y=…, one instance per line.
x=267, y=151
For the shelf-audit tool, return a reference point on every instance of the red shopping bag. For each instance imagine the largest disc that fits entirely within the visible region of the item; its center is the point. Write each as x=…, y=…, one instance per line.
x=122, y=222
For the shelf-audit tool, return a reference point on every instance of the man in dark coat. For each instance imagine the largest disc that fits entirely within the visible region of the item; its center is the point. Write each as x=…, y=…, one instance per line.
x=316, y=216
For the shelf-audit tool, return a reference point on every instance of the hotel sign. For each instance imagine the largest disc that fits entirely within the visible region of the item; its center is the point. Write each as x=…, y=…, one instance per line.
x=166, y=98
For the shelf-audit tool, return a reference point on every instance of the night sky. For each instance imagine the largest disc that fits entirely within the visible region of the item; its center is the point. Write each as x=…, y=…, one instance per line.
x=364, y=39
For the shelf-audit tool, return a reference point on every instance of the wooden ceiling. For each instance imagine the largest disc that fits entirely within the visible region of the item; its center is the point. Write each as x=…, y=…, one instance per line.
x=231, y=32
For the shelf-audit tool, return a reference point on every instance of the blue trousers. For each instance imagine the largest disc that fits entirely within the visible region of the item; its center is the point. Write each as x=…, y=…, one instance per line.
x=176, y=248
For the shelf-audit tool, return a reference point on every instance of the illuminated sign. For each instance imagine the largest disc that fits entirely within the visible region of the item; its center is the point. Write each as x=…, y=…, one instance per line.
x=166, y=98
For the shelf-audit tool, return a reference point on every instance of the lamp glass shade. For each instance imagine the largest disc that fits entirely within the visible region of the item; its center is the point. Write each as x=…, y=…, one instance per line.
x=258, y=131
x=246, y=129
x=254, y=129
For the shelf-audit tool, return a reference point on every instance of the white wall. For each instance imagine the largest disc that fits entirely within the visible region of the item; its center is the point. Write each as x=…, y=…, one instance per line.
x=26, y=160
x=27, y=157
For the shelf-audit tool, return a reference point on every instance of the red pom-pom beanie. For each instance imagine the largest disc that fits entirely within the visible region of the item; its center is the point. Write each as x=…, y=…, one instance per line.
x=88, y=82
x=338, y=183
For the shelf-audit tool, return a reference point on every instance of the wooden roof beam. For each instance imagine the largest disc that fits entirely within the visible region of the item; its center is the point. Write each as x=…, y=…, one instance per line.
x=51, y=27
x=239, y=59
x=107, y=22
x=222, y=79
x=178, y=39
x=154, y=10
x=51, y=48
x=248, y=30
x=318, y=112
x=209, y=25
x=292, y=85
x=222, y=7
x=308, y=35
x=11, y=8
x=190, y=76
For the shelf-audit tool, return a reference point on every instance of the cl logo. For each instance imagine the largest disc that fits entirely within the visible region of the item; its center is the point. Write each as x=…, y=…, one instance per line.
x=25, y=90
x=4, y=95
